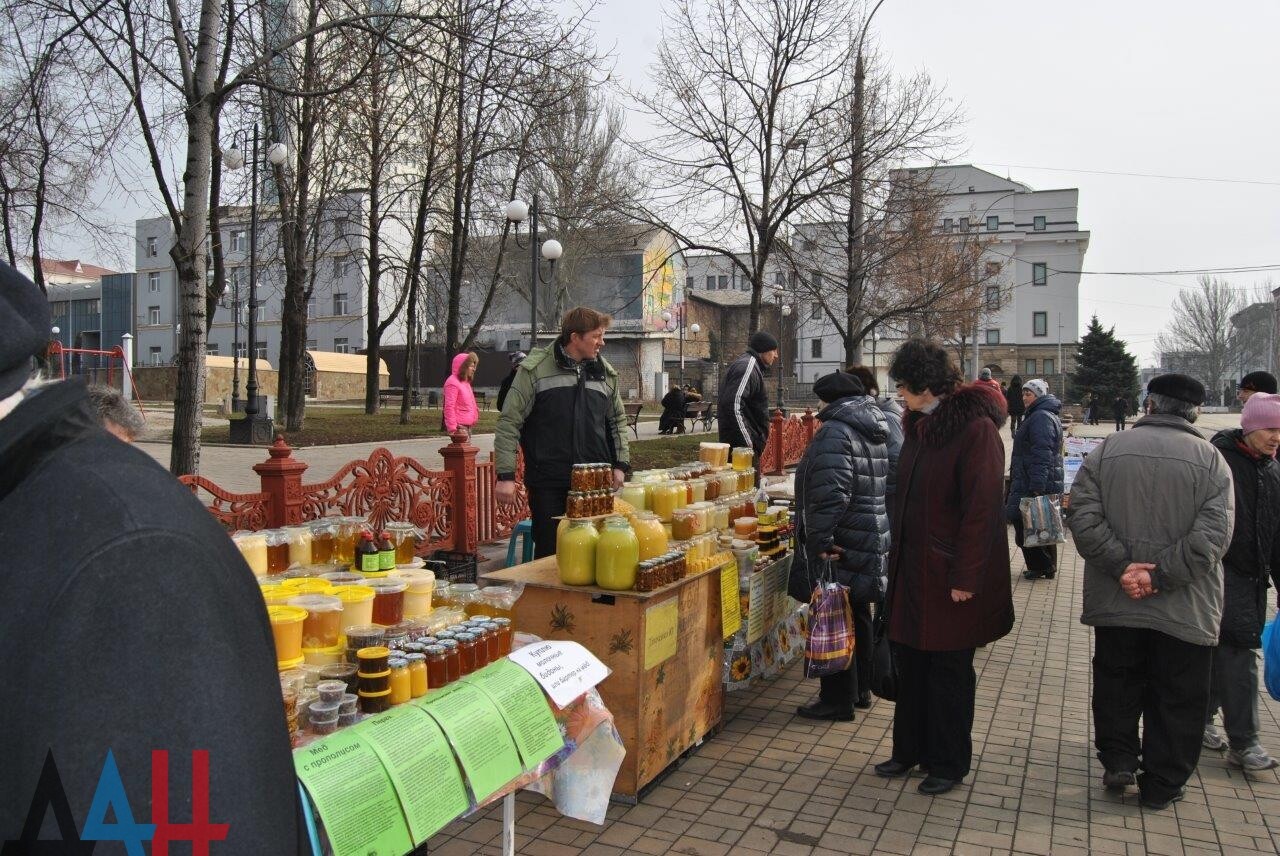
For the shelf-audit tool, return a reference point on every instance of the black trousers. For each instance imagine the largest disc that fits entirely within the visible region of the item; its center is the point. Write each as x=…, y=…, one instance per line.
x=842, y=688
x=545, y=504
x=1015, y=419
x=1120, y=421
x=933, y=718
x=1040, y=560
x=1164, y=681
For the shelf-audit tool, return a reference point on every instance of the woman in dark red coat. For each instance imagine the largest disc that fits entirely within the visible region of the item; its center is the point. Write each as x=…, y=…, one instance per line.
x=949, y=588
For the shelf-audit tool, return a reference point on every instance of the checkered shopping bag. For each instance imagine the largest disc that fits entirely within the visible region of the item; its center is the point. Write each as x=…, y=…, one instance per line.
x=829, y=648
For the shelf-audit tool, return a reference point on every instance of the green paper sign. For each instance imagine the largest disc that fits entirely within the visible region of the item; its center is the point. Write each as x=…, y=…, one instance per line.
x=479, y=736
x=524, y=707
x=416, y=755
x=354, y=796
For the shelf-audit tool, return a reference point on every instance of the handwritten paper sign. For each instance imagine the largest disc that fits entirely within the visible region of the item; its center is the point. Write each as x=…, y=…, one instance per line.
x=730, y=603
x=354, y=796
x=565, y=670
x=661, y=632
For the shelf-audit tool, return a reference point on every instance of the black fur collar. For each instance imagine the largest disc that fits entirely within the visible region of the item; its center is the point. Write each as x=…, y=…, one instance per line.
x=956, y=411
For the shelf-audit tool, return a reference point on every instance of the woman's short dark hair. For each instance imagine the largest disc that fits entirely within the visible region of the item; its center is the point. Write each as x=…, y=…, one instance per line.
x=922, y=364
x=867, y=377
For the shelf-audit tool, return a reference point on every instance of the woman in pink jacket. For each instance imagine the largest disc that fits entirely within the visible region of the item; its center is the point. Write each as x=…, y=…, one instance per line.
x=460, y=411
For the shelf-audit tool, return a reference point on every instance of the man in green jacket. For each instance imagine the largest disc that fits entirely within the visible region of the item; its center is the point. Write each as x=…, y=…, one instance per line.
x=1151, y=512
x=563, y=408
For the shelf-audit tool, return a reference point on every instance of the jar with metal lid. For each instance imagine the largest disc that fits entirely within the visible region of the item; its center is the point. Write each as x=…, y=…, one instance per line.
x=323, y=533
x=481, y=632
x=437, y=667
x=399, y=681
x=505, y=632
x=466, y=652
x=453, y=659
x=498, y=600
x=418, y=679
x=580, y=477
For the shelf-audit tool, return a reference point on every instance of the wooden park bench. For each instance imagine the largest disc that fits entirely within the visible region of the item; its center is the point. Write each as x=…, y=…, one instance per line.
x=394, y=393
x=700, y=411
x=633, y=418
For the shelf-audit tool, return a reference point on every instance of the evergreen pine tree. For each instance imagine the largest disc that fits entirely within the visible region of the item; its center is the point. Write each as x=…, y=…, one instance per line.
x=1104, y=368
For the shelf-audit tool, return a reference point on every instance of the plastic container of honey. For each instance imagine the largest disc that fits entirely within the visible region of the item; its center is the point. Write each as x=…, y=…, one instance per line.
x=388, y=600
x=373, y=660
x=286, y=628
x=357, y=605
x=253, y=548
x=298, y=539
x=420, y=584
x=323, y=624
x=375, y=702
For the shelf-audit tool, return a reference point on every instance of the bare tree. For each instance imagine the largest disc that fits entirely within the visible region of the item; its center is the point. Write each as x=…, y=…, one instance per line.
x=743, y=89
x=1200, y=331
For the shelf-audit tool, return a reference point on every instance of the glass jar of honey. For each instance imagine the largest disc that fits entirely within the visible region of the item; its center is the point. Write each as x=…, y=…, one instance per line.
x=576, y=504
x=437, y=668
x=453, y=659
x=466, y=652
x=481, y=632
x=743, y=458
x=576, y=553
x=664, y=499
x=400, y=682
x=404, y=537
x=497, y=601
x=617, y=555
x=344, y=544
x=277, y=550
x=465, y=596
x=418, y=677
x=580, y=477
x=504, y=635
x=253, y=547
x=323, y=533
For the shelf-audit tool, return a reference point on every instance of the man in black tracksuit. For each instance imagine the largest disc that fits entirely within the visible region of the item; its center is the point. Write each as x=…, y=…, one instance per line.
x=743, y=403
x=563, y=408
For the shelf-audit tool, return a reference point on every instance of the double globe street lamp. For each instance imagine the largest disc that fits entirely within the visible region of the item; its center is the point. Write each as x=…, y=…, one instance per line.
x=694, y=328
x=517, y=212
x=255, y=427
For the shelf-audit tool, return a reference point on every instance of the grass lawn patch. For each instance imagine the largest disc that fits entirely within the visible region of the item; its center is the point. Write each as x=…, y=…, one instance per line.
x=661, y=452
x=328, y=426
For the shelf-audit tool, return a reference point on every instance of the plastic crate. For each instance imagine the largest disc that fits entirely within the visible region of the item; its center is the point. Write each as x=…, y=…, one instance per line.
x=452, y=566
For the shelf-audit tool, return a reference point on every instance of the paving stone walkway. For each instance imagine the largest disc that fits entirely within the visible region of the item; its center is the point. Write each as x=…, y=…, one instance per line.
x=773, y=783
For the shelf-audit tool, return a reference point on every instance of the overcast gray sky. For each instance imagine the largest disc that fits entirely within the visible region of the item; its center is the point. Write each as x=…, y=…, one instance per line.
x=1055, y=94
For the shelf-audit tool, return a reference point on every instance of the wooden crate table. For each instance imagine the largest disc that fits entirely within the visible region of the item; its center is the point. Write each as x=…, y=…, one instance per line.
x=664, y=649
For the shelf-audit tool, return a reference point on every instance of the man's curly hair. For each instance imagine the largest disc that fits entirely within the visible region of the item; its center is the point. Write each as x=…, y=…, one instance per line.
x=922, y=364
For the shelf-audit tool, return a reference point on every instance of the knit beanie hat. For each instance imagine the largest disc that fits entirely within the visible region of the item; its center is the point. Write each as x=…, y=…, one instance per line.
x=985, y=374
x=836, y=386
x=1182, y=387
x=1037, y=386
x=762, y=342
x=1261, y=411
x=1259, y=382
x=24, y=328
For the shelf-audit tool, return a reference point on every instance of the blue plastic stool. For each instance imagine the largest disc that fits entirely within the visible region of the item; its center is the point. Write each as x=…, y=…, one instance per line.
x=523, y=528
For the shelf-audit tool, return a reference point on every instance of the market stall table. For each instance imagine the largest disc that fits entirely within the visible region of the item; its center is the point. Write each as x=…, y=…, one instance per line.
x=664, y=648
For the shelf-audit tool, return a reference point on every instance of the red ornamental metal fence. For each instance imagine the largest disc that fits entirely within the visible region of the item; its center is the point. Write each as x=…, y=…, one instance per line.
x=454, y=506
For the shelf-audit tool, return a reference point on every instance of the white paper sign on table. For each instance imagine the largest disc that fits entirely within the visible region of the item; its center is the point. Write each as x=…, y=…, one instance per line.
x=565, y=670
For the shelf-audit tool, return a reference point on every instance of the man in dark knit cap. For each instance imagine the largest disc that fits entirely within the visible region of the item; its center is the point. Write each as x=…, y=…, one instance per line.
x=130, y=626
x=1255, y=382
x=743, y=403
x=1152, y=515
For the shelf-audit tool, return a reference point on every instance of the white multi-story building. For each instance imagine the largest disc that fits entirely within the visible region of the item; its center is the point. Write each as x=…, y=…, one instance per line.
x=1032, y=265
x=335, y=313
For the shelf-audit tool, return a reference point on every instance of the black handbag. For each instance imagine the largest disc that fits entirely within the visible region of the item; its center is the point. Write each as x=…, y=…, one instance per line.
x=884, y=666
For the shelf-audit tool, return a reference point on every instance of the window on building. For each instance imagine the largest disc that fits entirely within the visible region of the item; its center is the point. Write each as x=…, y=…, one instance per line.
x=815, y=349
x=1049, y=366
x=340, y=346
x=1039, y=323
x=993, y=268
x=688, y=283
x=312, y=344
x=816, y=282
x=711, y=283
x=340, y=303
x=153, y=282
x=151, y=248
x=1039, y=223
x=1028, y=369
x=948, y=224
x=154, y=353
x=723, y=283
x=964, y=224
x=779, y=279
x=993, y=336
x=1039, y=273
x=512, y=345
x=312, y=307
x=241, y=351
x=153, y=315
x=993, y=297
x=261, y=311
x=815, y=311
x=211, y=348
x=342, y=227
x=339, y=266
x=993, y=223
x=260, y=350
x=238, y=242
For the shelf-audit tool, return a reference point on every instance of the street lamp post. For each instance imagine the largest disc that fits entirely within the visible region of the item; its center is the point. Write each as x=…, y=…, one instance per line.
x=255, y=427
x=695, y=329
x=784, y=309
x=517, y=211
x=235, y=344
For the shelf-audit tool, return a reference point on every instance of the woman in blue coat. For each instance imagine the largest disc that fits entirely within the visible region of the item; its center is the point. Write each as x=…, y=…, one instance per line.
x=1036, y=469
x=840, y=502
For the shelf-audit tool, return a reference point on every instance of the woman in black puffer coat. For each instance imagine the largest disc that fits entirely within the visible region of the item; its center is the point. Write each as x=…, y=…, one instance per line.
x=1035, y=469
x=840, y=502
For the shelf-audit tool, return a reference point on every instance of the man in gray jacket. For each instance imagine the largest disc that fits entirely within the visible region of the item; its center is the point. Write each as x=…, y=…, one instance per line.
x=1152, y=513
